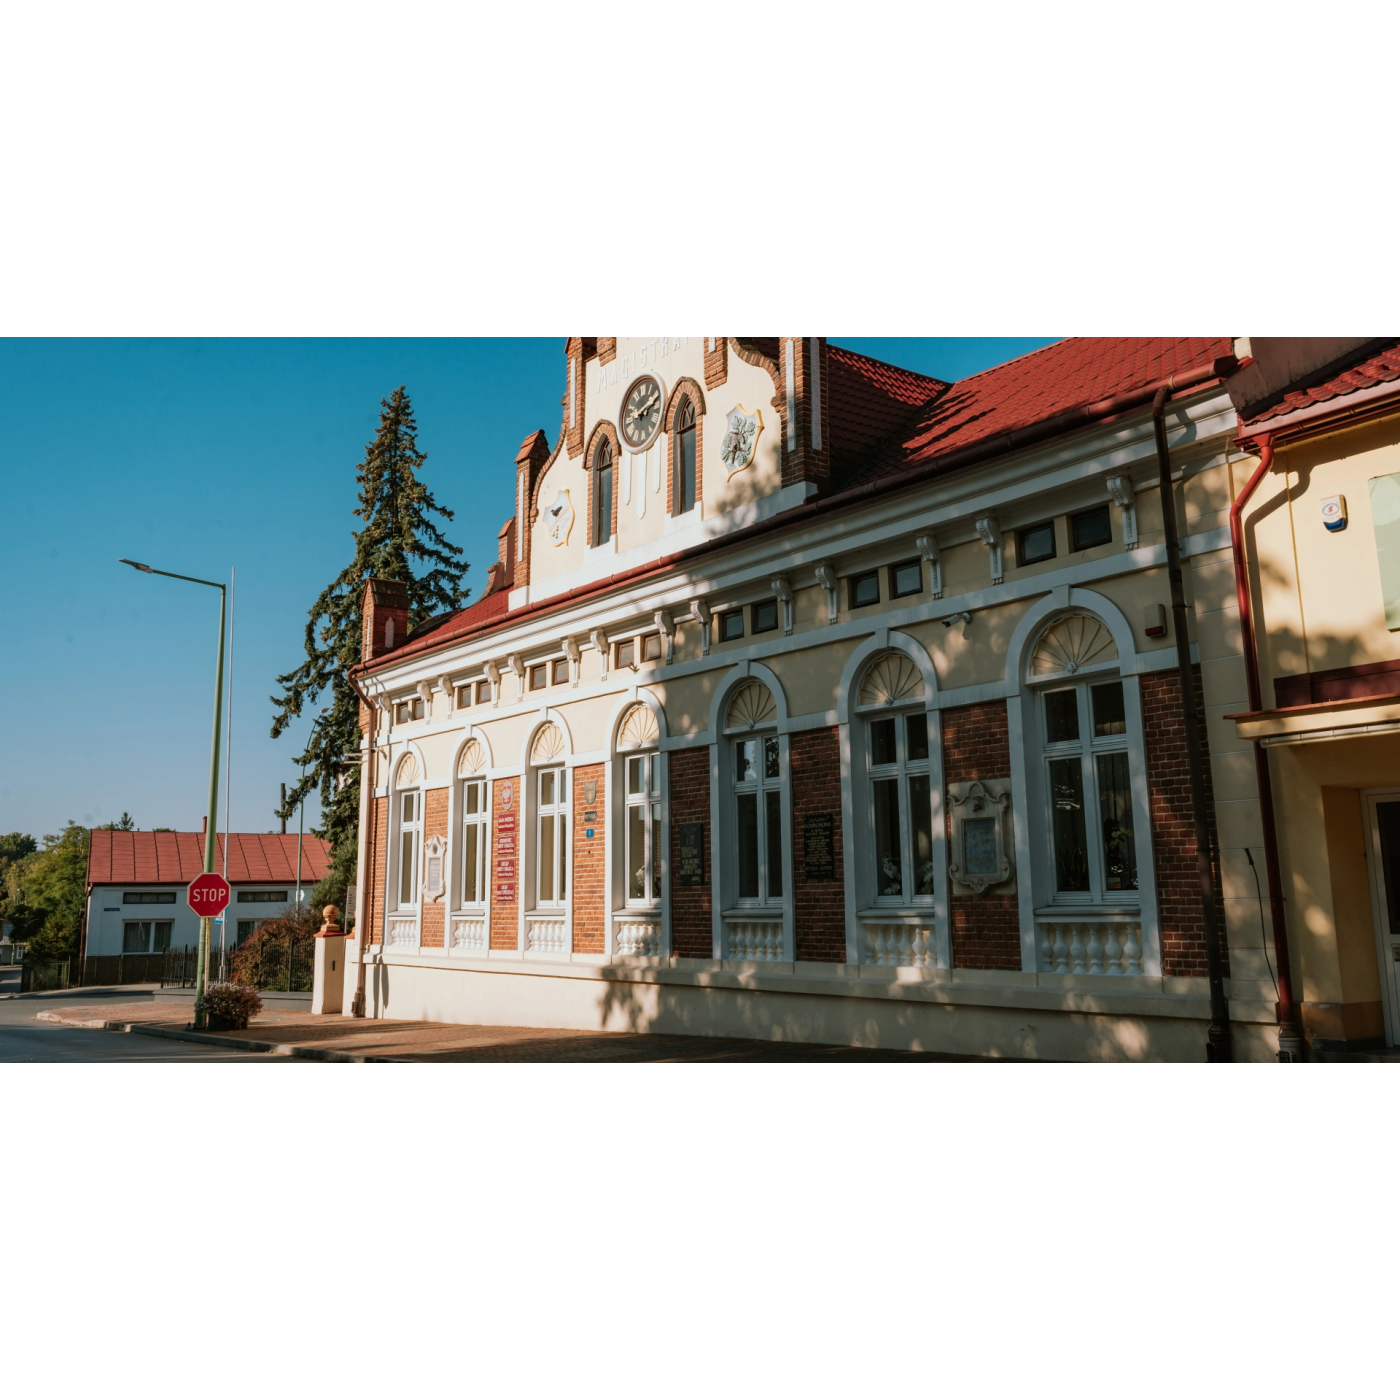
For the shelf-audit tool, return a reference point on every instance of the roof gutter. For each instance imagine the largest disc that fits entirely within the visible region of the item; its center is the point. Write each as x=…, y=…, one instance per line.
x=1290, y=1044
x=998, y=445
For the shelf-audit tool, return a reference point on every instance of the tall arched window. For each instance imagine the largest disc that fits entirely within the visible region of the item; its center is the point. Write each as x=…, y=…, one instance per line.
x=476, y=814
x=894, y=726
x=602, y=491
x=551, y=819
x=410, y=852
x=685, y=433
x=637, y=740
x=755, y=759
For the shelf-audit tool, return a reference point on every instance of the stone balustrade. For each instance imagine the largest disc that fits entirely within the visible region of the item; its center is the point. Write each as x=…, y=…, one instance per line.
x=1108, y=947
x=468, y=934
x=898, y=945
x=751, y=941
x=549, y=934
x=637, y=938
x=403, y=931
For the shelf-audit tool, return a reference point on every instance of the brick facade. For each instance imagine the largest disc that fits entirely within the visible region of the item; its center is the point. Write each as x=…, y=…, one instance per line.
x=819, y=906
x=716, y=360
x=810, y=458
x=986, y=928
x=1173, y=826
x=505, y=921
x=374, y=889
x=574, y=376
x=589, y=860
x=433, y=926
x=692, y=933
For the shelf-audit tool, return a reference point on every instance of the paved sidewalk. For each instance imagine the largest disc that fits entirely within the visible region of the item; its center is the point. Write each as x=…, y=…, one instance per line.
x=343, y=1038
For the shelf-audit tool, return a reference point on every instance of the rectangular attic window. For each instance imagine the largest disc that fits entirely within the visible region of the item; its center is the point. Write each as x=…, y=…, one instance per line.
x=148, y=896
x=1090, y=528
x=906, y=578
x=1035, y=543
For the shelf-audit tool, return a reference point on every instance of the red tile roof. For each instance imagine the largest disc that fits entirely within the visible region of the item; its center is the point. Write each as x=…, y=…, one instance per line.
x=868, y=401
x=1041, y=385
x=176, y=857
x=1381, y=368
x=438, y=629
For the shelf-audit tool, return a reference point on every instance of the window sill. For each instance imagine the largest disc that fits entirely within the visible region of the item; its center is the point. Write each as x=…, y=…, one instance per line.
x=761, y=913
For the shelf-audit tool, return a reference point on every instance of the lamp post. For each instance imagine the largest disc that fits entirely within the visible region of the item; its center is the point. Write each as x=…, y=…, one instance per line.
x=211, y=826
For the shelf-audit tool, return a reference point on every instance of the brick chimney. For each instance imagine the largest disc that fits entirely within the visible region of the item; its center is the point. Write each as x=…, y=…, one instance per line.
x=806, y=454
x=529, y=461
x=501, y=574
x=385, y=617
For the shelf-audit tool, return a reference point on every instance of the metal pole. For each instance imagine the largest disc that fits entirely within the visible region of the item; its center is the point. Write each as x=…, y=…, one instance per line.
x=228, y=769
x=1219, y=1044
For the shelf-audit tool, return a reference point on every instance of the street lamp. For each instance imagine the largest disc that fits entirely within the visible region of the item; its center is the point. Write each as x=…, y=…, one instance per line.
x=211, y=826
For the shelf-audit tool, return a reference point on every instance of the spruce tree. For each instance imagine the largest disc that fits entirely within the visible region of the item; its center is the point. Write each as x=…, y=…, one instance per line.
x=395, y=506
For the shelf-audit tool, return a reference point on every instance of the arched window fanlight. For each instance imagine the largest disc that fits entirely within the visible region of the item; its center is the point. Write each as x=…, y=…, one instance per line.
x=639, y=730
x=1070, y=644
x=548, y=745
x=891, y=680
x=407, y=771
x=473, y=759
x=751, y=706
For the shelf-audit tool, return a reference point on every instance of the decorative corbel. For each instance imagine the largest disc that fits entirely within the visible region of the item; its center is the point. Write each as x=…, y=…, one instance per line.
x=1121, y=493
x=517, y=669
x=493, y=674
x=667, y=625
x=782, y=590
x=700, y=611
x=600, y=645
x=425, y=693
x=989, y=532
x=826, y=576
x=572, y=652
x=927, y=545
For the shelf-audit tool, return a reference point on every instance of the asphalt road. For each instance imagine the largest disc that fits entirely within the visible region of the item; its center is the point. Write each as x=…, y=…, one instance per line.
x=25, y=1040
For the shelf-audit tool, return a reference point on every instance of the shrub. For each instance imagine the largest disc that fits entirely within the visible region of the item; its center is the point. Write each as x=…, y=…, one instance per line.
x=230, y=1007
x=264, y=958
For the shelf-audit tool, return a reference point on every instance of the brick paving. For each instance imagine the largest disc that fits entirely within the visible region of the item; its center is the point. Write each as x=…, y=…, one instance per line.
x=430, y=1041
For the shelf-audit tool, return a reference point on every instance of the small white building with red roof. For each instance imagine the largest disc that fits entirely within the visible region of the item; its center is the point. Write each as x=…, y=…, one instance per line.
x=137, y=883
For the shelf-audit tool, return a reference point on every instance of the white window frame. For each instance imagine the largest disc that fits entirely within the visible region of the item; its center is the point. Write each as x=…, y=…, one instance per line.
x=1087, y=749
x=150, y=926
x=900, y=771
x=413, y=828
x=559, y=813
x=759, y=787
x=481, y=822
x=649, y=799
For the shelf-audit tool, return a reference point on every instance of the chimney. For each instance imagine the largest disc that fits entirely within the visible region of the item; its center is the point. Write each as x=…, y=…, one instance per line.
x=204, y=825
x=806, y=446
x=529, y=462
x=385, y=617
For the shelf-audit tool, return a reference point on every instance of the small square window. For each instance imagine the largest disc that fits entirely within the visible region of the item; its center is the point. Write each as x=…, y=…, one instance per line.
x=765, y=616
x=864, y=589
x=483, y=692
x=731, y=627
x=1035, y=543
x=1091, y=527
x=626, y=654
x=464, y=697
x=906, y=578
x=559, y=671
x=651, y=647
x=539, y=676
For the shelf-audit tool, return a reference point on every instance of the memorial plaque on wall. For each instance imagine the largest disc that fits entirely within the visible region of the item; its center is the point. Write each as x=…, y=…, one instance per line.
x=690, y=869
x=818, y=860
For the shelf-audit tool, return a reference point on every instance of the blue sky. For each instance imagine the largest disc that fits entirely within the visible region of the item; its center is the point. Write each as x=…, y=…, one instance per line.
x=201, y=455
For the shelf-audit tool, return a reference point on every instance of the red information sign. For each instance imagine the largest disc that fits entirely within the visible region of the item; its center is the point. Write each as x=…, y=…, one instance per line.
x=208, y=895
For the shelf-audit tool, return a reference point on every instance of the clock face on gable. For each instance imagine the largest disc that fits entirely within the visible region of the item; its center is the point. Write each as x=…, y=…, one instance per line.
x=641, y=412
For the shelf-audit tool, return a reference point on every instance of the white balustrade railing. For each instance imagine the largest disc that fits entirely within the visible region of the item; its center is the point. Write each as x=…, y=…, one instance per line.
x=898, y=945
x=1111, y=947
x=403, y=931
x=755, y=942
x=547, y=935
x=637, y=938
x=468, y=933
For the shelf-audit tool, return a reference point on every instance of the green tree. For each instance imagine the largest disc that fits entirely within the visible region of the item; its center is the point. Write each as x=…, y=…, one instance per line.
x=397, y=533
x=45, y=891
x=125, y=824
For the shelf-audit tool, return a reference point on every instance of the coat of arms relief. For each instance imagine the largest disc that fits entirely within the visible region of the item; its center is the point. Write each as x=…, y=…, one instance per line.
x=740, y=438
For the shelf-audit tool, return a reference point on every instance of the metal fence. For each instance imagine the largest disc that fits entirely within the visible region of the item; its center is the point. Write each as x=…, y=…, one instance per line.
x=121, y=969
x=49, y=975
x=267, y=967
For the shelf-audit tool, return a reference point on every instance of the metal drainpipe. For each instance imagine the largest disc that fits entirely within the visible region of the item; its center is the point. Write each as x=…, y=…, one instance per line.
x=357, y=1004
x=1290, y=1042
x=1219, y=1044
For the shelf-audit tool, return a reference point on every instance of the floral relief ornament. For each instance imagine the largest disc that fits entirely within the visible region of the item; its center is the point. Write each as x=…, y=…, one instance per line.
x=740, y=438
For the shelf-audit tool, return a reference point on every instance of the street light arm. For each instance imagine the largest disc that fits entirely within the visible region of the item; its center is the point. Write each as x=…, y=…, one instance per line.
x=165, y=573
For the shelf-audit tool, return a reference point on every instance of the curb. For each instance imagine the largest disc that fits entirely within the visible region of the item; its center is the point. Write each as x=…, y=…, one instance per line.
x=296, y=1052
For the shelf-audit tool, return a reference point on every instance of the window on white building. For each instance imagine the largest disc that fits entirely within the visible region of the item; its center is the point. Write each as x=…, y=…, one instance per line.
x=643, y=803
x=902, y=807
x=758, y=801
x=146, y=936
x=474, y=819
x=410, y=847
x=551, y=837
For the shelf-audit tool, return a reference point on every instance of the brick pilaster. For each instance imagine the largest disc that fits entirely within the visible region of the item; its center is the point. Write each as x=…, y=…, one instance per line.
x=505, y=846
x=819, y=906
x=692, y=934
x=716, y=360
x=433, y=925
x=590, y=862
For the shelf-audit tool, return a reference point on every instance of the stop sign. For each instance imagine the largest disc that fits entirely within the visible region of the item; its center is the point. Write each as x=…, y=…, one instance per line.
x=208, y=895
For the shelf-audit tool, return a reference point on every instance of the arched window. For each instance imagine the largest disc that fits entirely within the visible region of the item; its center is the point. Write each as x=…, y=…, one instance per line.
x=683, y=493
x=476, y=814
x=637, y=740
x=602, y=491
x=410, y=815
x=755, y=761
x=551, y=819
x=1086, y=762
x=899, y=827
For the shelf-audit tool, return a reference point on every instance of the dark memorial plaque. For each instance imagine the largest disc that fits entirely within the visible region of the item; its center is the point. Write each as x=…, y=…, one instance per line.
x=690, y=869
x=818, y=863
x=980, y=846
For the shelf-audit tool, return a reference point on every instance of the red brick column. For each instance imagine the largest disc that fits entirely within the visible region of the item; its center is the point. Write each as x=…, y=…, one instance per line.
x=819, y=906
x=590, y=861
x=505, y=846
x=432, y=925
x=986, y=928
x=374, y=893
x=692, y=934
x=1173, y=826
